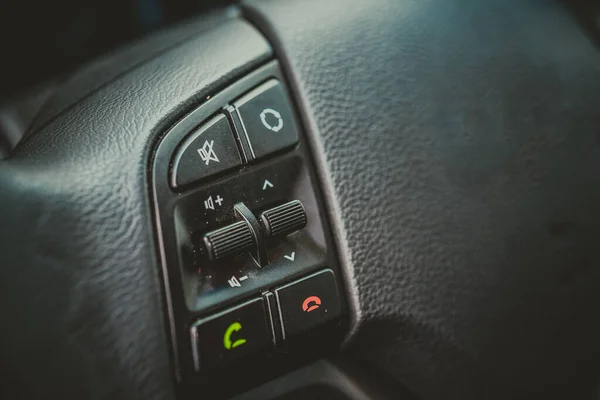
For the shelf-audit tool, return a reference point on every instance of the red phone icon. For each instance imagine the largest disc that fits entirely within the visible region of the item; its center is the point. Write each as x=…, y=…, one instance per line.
x=311, y=303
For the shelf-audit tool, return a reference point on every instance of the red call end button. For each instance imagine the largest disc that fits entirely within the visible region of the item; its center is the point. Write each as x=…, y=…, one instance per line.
x=308, y=303
x=311, y=303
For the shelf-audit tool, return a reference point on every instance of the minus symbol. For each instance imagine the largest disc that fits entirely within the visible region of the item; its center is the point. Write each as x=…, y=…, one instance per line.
x=243, y=278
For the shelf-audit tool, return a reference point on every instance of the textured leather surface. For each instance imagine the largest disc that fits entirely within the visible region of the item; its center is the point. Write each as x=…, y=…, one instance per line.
x=99, y=72
x=461, y=139
x=80, y=290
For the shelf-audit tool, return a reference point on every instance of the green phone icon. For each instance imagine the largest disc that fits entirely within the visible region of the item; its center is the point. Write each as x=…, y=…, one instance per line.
x=234, y=327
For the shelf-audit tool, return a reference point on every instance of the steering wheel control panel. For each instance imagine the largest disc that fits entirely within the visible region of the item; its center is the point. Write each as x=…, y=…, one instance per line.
x=251, y=275
x=258, y=325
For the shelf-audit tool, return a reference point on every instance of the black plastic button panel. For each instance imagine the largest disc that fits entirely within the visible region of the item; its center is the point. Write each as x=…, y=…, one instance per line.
x=260, y=123
x=247, y=332
x=286, y=256
x=248, y=234
x=239, y=233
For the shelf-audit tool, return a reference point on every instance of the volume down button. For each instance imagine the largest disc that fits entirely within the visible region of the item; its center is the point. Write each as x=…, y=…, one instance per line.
x=228, y=241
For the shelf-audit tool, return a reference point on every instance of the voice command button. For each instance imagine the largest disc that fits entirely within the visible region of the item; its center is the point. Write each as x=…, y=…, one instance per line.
x=267, y=118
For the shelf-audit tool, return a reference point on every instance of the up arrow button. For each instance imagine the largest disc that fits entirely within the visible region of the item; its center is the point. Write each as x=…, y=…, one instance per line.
x=267, y=184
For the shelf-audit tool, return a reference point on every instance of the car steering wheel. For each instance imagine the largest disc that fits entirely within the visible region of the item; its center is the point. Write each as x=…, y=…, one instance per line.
x=450, y=150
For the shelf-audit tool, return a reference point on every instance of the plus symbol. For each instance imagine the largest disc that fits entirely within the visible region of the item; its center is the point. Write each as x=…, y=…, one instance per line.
x=219, y=200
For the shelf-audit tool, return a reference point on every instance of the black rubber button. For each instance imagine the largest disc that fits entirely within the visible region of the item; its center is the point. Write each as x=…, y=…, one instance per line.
x=232, y=336
x=268, y=119
x=309, y=303
x=209, y=150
